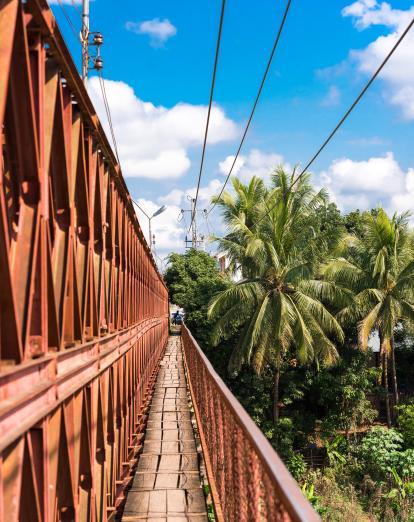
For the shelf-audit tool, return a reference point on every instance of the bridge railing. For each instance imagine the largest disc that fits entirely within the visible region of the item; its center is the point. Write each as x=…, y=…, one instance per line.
x=248, y=480
x=83, y=309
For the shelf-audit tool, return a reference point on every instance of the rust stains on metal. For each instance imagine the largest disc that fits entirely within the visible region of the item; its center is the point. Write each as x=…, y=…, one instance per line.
x=83, y=309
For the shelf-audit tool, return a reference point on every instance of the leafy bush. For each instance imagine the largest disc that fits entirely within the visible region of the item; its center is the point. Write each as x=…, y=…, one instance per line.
x=333, y=502
x=297, y=465
x=308, y=491
x=404, y=463
x=342, y=392
x=334, y=450
x=401, y=496
x=378, y=452
x=406, y=423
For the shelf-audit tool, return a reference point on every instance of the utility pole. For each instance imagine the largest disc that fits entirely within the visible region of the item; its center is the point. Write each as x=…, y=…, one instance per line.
x=197, y=241
x=85, y=40
x=94, y=60
x=194, y=224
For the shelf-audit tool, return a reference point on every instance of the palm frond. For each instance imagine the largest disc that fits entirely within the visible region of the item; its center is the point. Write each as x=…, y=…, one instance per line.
x=367, y=325
x=327, y=291
x=345, y=273
x=249, y=292
x=306, y=304
x=303, y=337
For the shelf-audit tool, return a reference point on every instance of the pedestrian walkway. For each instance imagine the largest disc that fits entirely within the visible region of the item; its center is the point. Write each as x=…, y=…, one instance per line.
x=167, y=482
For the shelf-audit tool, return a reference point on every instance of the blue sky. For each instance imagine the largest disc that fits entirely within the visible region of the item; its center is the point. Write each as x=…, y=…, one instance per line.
x=326, y=53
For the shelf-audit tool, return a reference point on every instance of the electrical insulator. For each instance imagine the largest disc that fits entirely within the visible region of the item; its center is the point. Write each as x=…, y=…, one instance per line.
x=98, y=63
x=98, y=39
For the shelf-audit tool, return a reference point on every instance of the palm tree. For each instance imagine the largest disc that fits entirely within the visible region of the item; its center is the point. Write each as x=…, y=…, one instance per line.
x=275, y=303
x=379, y=271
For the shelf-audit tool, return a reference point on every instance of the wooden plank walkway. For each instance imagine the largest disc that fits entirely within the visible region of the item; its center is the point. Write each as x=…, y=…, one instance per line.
x=167, y=483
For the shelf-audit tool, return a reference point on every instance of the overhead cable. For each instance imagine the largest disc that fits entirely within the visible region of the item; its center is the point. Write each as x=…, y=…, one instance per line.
x=108, y=114
x=213, y=81
x=350, y=109
x=256, y=101
x=68, y=19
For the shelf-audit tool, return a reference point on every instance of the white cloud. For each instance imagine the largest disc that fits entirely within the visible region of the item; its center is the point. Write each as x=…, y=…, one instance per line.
x=180, y=197
x=332, y=98
x=381, y=175
x=168, y=230
x=358, y=9
x=398, y=74
x=226, y=164
x=351, y=184
x=256, y=163
x=158, y=30
x=372, y=12
x=206, y=193
x=366, y=184
x=169, y=234
x=154, y=141
x=172, y=198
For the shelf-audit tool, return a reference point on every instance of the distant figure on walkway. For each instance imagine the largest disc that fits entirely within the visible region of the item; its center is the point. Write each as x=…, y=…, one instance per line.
x=177, y=317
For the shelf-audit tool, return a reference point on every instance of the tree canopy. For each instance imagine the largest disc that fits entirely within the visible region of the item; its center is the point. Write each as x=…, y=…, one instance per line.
x=193, y=279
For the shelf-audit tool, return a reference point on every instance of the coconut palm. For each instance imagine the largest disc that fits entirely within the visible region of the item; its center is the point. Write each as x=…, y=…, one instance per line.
x=275, y=304
x=379, y=270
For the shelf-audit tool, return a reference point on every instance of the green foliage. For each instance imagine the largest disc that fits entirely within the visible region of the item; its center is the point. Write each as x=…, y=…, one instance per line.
x=406, y=423
x=255, y=394
x=342, y=392
x=379, y=272
x=297, y=466
x=303, y=310
x=329, y=228
x=354, y=223
x=404, y=463
x=335, y=501
x=333, y=450
x=378, y=452
x=193, y=279
x=401, y=492
x=276, y=235
x=308, y=491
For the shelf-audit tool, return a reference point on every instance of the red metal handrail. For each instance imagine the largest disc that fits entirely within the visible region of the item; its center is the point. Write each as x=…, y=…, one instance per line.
x=248, y=480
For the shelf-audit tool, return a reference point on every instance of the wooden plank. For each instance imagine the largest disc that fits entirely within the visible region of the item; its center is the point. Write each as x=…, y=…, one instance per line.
x=167, y=484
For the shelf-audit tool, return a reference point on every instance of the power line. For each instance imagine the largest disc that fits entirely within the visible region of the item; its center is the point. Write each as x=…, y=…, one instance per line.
x=213, y=81
x=100, y=78
x=348, y=112
x=77, y=8
x=108, y=114
x=256, y=101
x=356, y=101
x=68, y=19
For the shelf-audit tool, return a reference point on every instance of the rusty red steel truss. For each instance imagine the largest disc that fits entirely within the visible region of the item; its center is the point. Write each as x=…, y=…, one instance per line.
x=249, y=482
x=83, y=309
